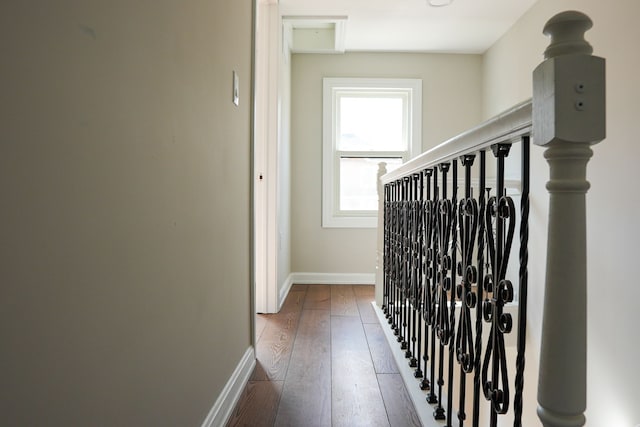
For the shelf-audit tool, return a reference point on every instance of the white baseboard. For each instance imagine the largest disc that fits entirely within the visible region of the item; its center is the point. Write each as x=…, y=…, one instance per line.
x=284, y=291
x=221, y=411
x=333, y=278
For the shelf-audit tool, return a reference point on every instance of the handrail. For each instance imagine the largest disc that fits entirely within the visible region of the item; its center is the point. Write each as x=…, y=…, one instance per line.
x=508, y=126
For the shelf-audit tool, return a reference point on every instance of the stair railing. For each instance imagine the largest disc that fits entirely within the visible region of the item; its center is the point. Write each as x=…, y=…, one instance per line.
x=447, y=280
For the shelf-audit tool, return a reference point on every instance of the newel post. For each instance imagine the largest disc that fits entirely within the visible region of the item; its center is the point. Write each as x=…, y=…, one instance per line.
x=568, y=117
x=382, y=169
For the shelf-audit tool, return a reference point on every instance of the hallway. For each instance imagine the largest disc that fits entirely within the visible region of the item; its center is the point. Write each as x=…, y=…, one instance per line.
x=324, y=361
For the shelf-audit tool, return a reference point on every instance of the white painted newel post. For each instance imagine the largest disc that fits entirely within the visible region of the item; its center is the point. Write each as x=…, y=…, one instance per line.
x=382, y=169
x=568, y=117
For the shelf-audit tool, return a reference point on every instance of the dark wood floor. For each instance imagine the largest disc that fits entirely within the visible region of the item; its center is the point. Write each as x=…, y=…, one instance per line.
x=324, y=361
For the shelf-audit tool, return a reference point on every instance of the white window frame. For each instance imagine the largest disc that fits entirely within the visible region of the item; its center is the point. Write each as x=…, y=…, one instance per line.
x=332, y=217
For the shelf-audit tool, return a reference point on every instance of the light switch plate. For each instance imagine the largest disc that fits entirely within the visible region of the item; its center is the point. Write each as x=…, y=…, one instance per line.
x=236, y=88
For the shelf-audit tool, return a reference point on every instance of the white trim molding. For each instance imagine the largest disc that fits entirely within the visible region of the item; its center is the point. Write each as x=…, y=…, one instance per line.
x=333, y=90
x=333, y=278
x=221, y=410
x=284, y=291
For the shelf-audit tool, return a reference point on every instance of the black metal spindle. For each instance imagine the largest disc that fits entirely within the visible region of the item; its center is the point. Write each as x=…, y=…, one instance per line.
x=451, y=289
x=501, y=207
x=420, y=271
x=479, y=289
x=425, y=384
x=385, y=251
x=413, y=362
x=442, y=325
x=524, y=279
x=468, y=220
x=432, y=398
x=404, y=310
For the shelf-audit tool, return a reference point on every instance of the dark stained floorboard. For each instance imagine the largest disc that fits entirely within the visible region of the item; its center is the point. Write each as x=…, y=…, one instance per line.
x=261, y=405
x=306, y=397
x=343, y=301
x=365, y=294
x=380, y=352
x=397, y=401
x=356, y=398
x=322, y=361
x=318, y=297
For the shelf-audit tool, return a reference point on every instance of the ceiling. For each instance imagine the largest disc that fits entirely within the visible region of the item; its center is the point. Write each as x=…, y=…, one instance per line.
x=464, y=26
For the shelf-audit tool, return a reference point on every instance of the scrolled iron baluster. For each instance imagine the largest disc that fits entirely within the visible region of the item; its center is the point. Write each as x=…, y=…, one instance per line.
x=468, y=218
x=442, y=320
x=468, y=225
x=427, y=259
x=477, y=377
x=496, y=389
x=443, y=327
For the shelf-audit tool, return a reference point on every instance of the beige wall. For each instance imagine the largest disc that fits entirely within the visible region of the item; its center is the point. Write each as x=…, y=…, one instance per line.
x=451, y=87
x=125, y=220
x=612, y=202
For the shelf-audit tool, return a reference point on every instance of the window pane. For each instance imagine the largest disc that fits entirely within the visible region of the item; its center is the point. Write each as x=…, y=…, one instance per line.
x=370, y=123
x=358, y=186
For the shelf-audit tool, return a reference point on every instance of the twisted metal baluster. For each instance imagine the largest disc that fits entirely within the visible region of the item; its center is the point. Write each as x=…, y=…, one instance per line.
x=524, y=278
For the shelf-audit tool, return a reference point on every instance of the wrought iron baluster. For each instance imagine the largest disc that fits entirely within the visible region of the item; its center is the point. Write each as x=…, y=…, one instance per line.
x=501, y=207
x=524, y=279
x=404, y=309
x=415, y=270
x=425, y=384
x=386, y=246
x=442, y=324
x=468, y=220
x=451, y=292
x=420, y=272
x=395, y=263
x=432, y=398
x=479, y=290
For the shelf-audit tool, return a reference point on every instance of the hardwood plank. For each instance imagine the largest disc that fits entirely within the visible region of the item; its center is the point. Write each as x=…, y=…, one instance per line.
x=364, y=291
x=294, y=301
x=258, y=405
x=381, y=354
x=364, y=296
x=397, y=402
x=343, y=301
x=261, y=324
x=273, y=350
x=318, y=298
x=356, y=398
x=306, y=396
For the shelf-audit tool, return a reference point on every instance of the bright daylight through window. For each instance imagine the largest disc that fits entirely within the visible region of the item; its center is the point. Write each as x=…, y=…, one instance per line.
x=365, y=122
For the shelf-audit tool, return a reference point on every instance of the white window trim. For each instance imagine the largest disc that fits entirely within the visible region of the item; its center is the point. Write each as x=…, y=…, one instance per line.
x=331, y=218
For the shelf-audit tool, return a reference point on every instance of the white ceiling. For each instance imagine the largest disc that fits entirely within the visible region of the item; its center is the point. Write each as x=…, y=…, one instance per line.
x=465, y=26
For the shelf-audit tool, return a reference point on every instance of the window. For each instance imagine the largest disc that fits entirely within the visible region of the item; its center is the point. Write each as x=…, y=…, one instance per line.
x=365, y=122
